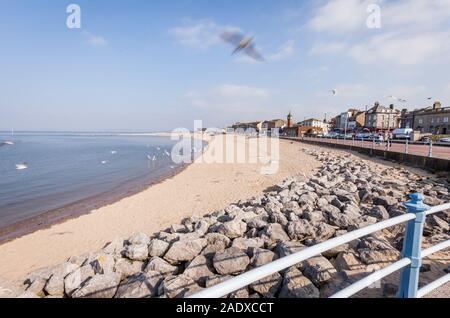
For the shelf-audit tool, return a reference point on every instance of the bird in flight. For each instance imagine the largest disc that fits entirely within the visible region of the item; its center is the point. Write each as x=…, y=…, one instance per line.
x=397, y=99
x=6, y=143
x=242, y=43
x=334, y=92
x=22, y=166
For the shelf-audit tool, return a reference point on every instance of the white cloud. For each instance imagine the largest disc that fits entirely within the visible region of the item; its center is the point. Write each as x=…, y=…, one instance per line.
x=402, y=49
x=95, y=40
x=285, y=51
x=327, y=48
x=340, y=16
x=199, y=35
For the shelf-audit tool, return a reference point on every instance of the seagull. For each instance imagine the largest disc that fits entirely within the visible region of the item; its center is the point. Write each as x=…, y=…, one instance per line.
x=104, y=162
x=402, y=100
x=430, y=98
x=6, y=143
x=334, y=92
x=22, y=166
x=242, y=43
x=113, y=152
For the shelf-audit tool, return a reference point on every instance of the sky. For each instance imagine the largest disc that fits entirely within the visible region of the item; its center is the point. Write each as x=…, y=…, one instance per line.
x=158, y=65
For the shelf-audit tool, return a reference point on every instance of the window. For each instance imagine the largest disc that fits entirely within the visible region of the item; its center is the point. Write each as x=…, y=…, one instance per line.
x=445, y=120
x=420, y=121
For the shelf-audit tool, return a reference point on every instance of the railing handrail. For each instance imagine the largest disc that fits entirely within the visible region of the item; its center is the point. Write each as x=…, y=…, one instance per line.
x=278, y=265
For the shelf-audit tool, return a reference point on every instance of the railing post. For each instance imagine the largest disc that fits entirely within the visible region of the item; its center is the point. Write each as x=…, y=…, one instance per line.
x=430, y=151
x=406, y=147
x=412, y=247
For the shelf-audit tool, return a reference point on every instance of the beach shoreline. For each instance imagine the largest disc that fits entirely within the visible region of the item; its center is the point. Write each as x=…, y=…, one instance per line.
x=198, y=189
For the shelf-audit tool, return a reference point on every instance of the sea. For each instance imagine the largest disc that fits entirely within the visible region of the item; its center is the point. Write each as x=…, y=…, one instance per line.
x=72, y=172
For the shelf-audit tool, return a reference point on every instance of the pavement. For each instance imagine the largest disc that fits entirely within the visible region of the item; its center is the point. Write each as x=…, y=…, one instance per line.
x=441, y=152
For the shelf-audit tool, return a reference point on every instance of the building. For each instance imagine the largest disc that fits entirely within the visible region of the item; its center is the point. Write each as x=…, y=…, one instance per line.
x=357, y=120
x=382, y=118
x=290, y=121
x=323, y=127
x=256, y=126
x=434, y=119
x=273, y=124
x=406, y=119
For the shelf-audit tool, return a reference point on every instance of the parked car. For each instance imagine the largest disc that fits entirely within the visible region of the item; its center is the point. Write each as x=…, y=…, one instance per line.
x=364, y=135
x=446, y=140
x=425, y=140
x=402, y=133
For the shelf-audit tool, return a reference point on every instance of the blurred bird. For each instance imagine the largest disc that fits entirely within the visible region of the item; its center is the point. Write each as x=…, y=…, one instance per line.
x=430, y=98
x=242, y=43
x=334, y=92
x=22, y=166
x=113, y=152
x=6, y=143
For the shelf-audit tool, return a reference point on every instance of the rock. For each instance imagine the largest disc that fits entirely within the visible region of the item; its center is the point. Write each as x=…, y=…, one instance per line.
x=139, y=239
x=201, y=227
x=216, y=243
x=377, y=257
x=99, y=286
x=319, y=270
x=284, y=249
x=179, y=228
x=74, y=280
x=157, y=264
x=158, y=248
x=126, y=268
x=425, y=268
x=324, y=231
x=261, y=257
x=28, y=295
x=334, y=252
x=268, y=286
x=233, y=229
x=184, y=251
x=432, y=201
x=231, y=261
x=275, y=233
x=244, y=244
x=256, y=223
x=295, y=285
x=199, y=269
x=215, y=280
x=140, y=286
x=438, y=222
x=137, y=252
x=11, y=290
x=300, y=230
x=379, y=212
x=103, y=264
x=315, y=216
x=390, y=290
x=115, y=247
x=278, y=217
x=37, y=286
x=385, y=201
x=176, y=286
x=348, y=261
x=55, y=285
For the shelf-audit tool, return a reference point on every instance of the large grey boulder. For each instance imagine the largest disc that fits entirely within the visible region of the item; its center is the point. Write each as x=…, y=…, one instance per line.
x=10, y=290
x=231, y=261
x=261, y=257
x=184, y=251
x=268, y=286
x=144, y=285
x=275, y=233
x=74, y=280
x=115, y=247
x=103, y=263
x=290, y=247
x=99, y=286
x=139, y=239
x=126, y=268
x=300, y=230
x=232, y=229
x=158, y=248
x=157, y=264
x=348, y=261
x=319, y=270
x=295, y=285
x=55, y=285
x=199, y=269
x=137, y=252
x=244, y=244
x=216, y=243
x=176, y=286
x=379, y=212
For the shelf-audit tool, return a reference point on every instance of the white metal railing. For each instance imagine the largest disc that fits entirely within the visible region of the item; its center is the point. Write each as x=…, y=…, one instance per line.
x=415, y=221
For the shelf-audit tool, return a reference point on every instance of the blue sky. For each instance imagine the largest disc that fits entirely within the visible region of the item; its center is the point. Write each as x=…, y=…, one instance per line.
x=157, y=65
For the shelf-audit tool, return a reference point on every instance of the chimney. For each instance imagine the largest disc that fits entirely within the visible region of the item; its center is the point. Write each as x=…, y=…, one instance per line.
x=391, y=106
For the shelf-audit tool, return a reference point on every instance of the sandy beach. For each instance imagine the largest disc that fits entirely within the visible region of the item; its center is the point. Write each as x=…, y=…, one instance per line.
x=199, y=189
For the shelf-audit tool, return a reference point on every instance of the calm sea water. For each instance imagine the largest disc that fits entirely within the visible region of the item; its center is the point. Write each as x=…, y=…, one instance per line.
x=66, y=168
